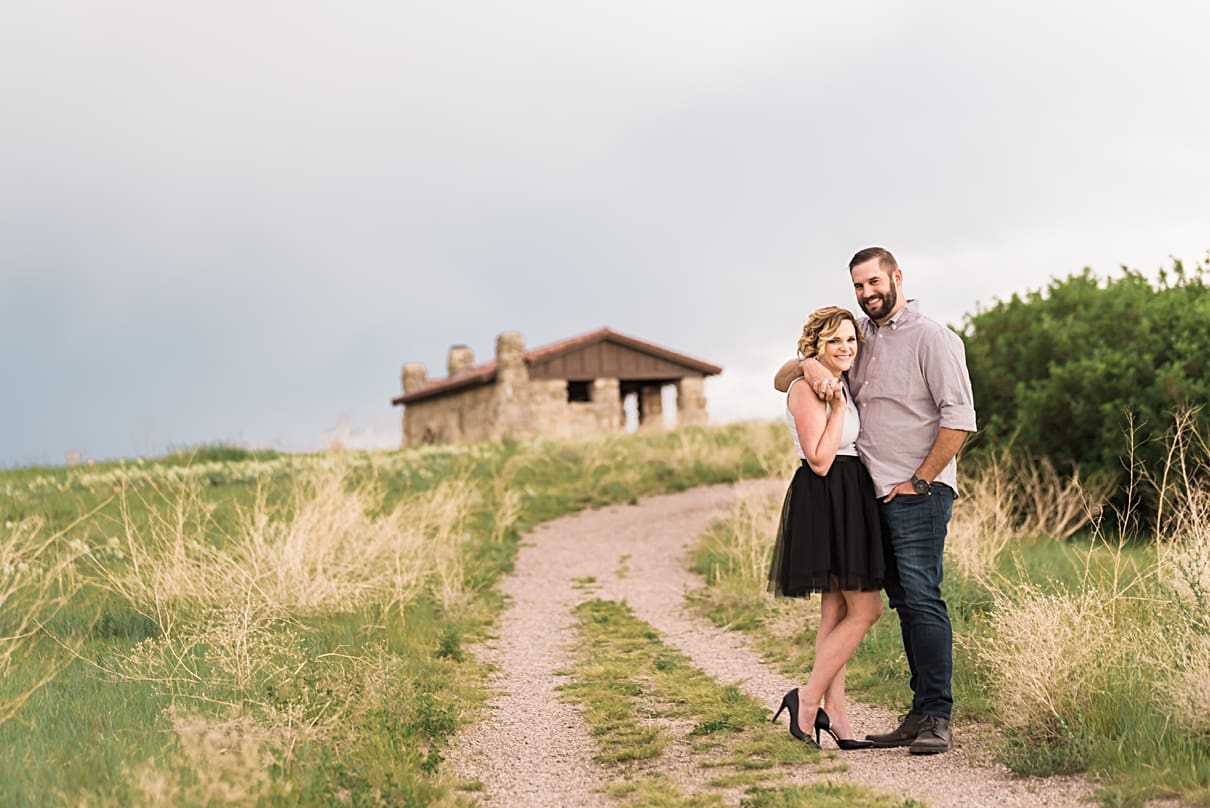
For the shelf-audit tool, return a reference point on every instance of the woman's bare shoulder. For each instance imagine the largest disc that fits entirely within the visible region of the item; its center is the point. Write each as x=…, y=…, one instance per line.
x=801, y=398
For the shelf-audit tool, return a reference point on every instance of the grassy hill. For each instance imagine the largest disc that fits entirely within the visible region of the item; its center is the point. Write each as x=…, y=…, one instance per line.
x=281, y=629
x=260, y=628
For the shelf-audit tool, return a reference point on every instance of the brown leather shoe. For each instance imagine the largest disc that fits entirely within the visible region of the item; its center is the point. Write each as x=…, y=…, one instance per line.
x=935, y=736
x=903, y=735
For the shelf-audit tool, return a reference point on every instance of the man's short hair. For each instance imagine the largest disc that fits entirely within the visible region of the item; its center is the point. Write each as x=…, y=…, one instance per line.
x=885, y=259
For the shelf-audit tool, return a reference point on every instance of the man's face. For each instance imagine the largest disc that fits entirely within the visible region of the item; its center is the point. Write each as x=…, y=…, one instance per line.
x=876, y=289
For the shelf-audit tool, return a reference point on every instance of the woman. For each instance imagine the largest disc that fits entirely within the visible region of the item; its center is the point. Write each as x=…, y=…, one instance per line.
x=829, y=540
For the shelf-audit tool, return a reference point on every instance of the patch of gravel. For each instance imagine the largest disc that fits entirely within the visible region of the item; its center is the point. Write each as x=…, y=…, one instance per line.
x=533, y=750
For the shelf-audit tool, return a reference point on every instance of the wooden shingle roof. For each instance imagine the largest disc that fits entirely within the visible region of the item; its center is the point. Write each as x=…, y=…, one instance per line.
x=600, y=353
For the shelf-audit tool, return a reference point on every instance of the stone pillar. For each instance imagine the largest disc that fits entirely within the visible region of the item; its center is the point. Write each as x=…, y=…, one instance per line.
x=414, y=377
x=651, y=408
x=510, y=359
x=512, y=387
x=607, y=402
x=460, y=360
x=691, y=401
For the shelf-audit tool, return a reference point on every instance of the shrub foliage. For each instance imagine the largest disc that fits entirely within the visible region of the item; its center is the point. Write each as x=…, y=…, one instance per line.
x=1067, y=372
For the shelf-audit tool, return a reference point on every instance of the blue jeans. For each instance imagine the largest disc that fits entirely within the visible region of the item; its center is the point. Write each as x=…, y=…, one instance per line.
x=913, y=534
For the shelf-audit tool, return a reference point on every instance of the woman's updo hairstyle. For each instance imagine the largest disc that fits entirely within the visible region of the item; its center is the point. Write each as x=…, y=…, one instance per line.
x=820, y=327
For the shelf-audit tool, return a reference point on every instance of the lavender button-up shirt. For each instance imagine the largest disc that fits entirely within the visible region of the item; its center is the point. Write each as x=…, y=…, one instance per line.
x=909, y=380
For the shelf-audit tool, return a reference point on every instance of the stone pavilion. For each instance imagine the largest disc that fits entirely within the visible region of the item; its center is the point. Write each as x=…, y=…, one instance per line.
x=575, y=387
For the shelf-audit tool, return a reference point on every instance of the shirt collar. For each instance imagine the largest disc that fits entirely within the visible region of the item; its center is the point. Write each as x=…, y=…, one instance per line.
x=909, y=312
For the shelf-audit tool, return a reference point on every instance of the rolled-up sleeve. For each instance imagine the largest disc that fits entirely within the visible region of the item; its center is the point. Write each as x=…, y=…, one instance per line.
x=944, y=366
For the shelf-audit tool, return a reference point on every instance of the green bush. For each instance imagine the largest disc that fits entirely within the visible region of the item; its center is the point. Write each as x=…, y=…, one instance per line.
x=1069, y=372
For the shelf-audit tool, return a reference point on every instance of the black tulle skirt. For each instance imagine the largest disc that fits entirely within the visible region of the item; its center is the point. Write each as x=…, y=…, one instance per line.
x=829, y=539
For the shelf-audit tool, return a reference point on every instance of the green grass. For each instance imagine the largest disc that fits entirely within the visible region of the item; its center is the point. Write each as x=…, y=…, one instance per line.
x=824, y=795
x=640, y=697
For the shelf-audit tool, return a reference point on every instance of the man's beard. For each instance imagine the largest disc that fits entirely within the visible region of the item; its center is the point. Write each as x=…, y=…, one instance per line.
x=888, y=300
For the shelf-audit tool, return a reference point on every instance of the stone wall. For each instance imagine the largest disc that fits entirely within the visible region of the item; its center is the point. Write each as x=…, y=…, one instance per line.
x=602, y=414
x=523, y=410
x=460, y=418
x=607, y=406
x=691, y=401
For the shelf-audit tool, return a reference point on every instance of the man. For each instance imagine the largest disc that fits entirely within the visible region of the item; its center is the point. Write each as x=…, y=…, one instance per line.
x=913, y=393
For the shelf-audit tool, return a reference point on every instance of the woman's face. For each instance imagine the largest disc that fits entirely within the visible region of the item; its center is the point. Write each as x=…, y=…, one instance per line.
x=837, y=351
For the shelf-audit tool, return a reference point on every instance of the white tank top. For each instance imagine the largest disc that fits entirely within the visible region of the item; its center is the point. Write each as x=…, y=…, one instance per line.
x=848, y=434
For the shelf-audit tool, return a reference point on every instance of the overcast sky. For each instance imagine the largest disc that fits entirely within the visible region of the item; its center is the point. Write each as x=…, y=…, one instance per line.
x=236, y=221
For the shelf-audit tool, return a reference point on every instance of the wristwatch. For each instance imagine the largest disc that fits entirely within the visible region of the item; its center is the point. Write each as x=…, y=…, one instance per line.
x=922, y=486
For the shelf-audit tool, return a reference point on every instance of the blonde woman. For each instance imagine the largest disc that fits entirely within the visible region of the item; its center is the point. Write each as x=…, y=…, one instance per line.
x=829, y=540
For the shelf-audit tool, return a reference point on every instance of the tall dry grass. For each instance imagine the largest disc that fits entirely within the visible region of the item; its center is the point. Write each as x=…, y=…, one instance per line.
x=37, y=581
x=1048, y=654
x=768, y=443
x=1126, y=649
x=1183, y=543
x=215, y=763
x=330, y=547
x=235, y=657
x=1006, y=498
x=247, y=695
x=752, y=525
x=733, y=556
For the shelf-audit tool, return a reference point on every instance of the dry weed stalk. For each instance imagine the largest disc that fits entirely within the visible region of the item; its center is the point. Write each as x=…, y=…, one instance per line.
x=744, y=537
x=768, y=442
x=982, y=524
x=1184, y=555
x=1185, y=689
x=223, y=658
x=1046, y=652
x=507, y=500
x=752, y=522
x=695, y=447
x=1183, y=547
x=1008, y=498
x=773, y=448
x=245, y=689
x=331, y=548
x=1051, y=656
x=37, y=580
x=227, y=762
x=247, y=692
x=1180, y=485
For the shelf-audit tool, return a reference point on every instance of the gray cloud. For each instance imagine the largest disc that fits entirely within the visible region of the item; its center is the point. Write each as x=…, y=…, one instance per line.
x=235, y=222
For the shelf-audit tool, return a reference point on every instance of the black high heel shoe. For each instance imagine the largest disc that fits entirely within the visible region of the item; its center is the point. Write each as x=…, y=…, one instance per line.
x=790, y=702
x=824, y=724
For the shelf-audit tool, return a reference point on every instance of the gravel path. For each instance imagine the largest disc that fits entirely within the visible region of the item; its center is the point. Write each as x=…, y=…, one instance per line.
x=534, y=751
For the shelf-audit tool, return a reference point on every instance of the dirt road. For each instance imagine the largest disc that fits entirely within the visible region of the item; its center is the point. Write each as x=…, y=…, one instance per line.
x=533, y=749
